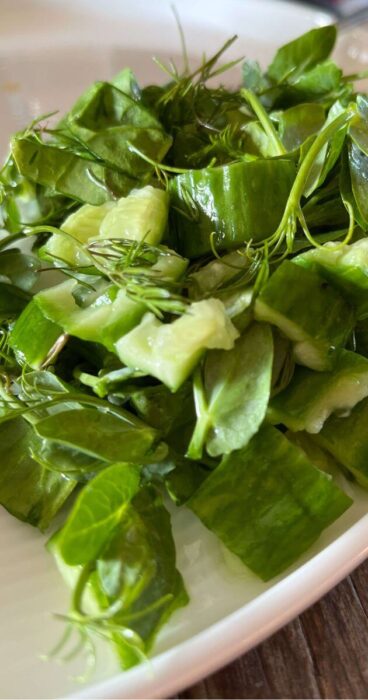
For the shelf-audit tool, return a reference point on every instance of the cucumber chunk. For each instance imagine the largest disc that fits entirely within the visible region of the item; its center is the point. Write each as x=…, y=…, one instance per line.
x=109, y=315
x=34, y=336
x=170, y=351
x=142, y=215
x=346, y=439
x=83, y=225
x=312, y=397
x=344, y=267
x=309, y=311
x=268, y=503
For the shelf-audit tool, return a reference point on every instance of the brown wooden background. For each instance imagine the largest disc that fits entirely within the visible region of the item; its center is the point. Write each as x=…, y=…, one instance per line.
x=321, y=654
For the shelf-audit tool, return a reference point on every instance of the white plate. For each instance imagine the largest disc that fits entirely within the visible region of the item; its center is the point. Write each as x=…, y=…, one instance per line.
x=49, y=51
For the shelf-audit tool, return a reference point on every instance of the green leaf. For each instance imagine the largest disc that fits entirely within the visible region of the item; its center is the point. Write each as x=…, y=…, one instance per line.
x=302, y=54
x=97, y=511
x=162, y=409
x=239, y=202
x=138, y=565
x=12, y=301
x=27, y=490
x=233, y=401
x=253, y=77
x=358, y=166
x=132, y=585
x=320, y=81
x=65, y=460
x=298, y=123
x=114, y=436
x=268, y=503
x=34, y=338
x=20, y=269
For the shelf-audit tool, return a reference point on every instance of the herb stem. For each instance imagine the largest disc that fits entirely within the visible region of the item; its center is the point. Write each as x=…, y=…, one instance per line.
x=257, y=107
x=203, y=424
x=287, y=226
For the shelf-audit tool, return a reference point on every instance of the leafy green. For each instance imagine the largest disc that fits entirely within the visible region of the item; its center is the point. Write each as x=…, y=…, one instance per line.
x=12, y=301
x=231, y=399
x=27, y=490
x=302, y=54
x=112, y=436
x=97, y=511
x=19, y=269
x=132, y=586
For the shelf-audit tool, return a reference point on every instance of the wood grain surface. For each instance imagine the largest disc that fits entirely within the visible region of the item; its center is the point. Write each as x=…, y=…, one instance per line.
x=321, y=654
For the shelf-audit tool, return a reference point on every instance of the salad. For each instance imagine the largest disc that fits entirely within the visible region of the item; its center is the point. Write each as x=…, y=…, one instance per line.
x=184, y=317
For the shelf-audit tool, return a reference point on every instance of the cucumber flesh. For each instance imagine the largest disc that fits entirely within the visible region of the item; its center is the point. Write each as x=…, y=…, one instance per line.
x=344, y=267
x=170, y=351
x=309, y=311
x=346, y=439
x=141, y=216
x=312, y=397
x=82, y=225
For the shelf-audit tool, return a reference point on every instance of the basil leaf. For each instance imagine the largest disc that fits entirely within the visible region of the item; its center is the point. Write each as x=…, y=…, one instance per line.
x=20, y=269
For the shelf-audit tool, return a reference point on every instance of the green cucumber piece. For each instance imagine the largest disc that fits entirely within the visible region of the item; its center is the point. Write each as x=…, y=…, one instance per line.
x=239, y=202
x=267, y=502
x=82, y=225
x=170, y=351
x=346, y=439
x=141, y=216
x=344, y=267
x=107, y=318
x=217, y=274
x=34, y=336
x=309, y=311
x=109, y=313
x=312, y=397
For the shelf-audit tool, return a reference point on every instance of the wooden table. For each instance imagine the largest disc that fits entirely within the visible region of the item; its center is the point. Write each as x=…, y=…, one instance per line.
x=321, y=654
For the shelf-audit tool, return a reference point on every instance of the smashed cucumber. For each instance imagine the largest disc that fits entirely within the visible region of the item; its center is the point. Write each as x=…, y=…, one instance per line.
x=345, y=267
x=309, y=311
x=170, y=351
x=312, y=397
x=141, y=216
